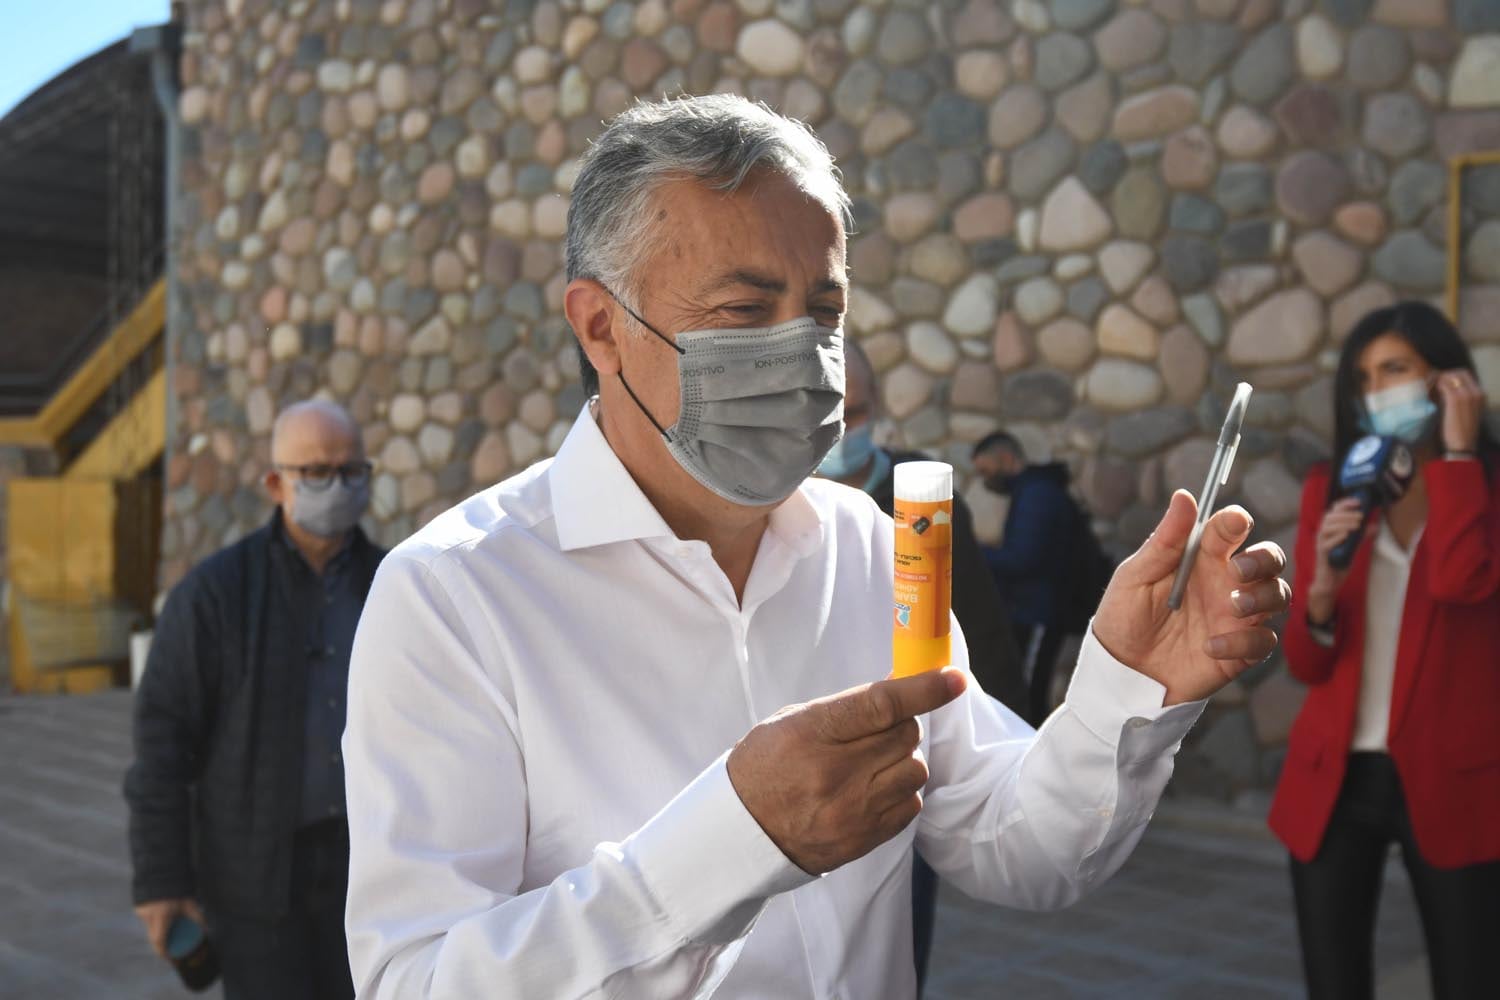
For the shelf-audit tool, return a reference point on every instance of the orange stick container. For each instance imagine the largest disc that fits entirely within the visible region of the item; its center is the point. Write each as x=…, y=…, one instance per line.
x=924, y=567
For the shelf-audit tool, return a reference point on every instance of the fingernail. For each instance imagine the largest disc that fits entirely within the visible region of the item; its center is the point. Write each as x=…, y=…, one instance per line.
x=1246, y=566
x=1217, y=646
x=1243, y=602
x=955, y=679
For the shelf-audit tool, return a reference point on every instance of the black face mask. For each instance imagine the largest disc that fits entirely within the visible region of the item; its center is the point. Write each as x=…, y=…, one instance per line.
x=1000, y=482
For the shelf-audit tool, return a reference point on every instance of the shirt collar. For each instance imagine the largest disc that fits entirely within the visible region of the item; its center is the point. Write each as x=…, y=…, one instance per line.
x=797, y=525
x=595, y=501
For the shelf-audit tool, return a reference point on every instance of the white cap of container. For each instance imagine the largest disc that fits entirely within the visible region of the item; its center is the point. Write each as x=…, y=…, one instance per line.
x=924, y=482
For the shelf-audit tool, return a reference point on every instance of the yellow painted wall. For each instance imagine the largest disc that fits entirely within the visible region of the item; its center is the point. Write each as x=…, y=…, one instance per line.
x=73, y=545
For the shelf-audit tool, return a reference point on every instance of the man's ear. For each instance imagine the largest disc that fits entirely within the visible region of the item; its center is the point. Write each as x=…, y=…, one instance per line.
x=275, y=486
x=591, y=313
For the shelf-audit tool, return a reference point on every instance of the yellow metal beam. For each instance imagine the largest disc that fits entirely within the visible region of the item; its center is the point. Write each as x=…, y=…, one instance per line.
x=23, y=431
x=104, y=365
x=131, y=441
x=134, y=334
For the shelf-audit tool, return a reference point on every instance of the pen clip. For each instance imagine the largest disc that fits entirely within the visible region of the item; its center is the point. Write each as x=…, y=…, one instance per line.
x=1229, y=461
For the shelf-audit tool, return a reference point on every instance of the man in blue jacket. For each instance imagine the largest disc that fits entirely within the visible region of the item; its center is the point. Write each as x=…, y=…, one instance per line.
x=1032, y=565
x=236, y=793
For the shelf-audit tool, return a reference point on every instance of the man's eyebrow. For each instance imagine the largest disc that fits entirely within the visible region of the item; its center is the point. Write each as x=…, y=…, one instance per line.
x=764, y=282
x=745, y=276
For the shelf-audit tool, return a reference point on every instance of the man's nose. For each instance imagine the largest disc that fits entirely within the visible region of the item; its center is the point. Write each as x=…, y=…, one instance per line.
x=788, y=309
x=792, y=304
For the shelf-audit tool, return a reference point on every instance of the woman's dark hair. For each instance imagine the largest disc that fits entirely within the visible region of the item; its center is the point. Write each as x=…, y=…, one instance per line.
x=1430, y=334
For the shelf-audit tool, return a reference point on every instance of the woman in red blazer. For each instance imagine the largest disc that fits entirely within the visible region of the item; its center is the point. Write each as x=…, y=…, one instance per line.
x=1399, y=739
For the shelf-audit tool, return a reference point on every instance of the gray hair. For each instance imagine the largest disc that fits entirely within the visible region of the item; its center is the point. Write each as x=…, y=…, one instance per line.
x=718, y=140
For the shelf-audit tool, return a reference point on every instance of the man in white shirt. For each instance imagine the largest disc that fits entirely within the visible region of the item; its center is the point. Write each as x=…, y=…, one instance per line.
x=617, y=726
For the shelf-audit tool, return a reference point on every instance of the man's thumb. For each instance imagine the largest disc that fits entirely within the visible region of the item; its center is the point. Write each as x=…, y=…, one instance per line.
x=1159, y=555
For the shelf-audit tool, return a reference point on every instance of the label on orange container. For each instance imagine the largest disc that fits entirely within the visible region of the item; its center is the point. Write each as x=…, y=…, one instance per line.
x=923, y=586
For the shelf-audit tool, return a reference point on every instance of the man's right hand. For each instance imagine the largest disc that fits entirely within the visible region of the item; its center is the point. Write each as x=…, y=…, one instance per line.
x=832, y=779
x=158, y=915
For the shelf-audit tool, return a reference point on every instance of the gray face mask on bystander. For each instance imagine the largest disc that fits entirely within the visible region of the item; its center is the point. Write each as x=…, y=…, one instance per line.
x=332, y=510
x=760, y=406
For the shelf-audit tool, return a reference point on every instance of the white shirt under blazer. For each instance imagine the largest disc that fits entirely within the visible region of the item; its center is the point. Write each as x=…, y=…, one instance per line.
x=1385, y=606
x=543, y=690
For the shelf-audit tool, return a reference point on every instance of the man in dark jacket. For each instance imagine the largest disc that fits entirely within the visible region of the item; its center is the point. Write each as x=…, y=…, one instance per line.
x=993, y=657
x=236, y=794
x=1031, y=566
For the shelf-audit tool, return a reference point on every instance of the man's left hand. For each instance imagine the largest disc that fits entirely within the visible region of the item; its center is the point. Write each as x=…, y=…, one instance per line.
x=1220, y=629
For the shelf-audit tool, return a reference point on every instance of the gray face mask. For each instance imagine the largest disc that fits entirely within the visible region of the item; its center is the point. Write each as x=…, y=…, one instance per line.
x=760, y=407
x=331, y=511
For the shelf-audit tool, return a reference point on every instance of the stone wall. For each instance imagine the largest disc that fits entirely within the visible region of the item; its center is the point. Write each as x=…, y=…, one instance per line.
x=1084, y=220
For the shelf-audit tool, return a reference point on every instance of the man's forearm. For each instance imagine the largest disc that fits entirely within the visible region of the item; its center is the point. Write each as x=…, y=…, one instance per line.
x=158, y=793
x=1061, y=814
x=160, y=838
x=651, y=916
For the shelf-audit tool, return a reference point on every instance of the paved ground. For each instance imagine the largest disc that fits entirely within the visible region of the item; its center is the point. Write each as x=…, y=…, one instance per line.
x=66, y=928
x=1193, y=914
x=1202, y=910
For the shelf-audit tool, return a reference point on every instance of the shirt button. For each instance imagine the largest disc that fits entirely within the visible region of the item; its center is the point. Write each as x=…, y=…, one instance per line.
x=334, y=757
x=1138, y=723
x=333, y=703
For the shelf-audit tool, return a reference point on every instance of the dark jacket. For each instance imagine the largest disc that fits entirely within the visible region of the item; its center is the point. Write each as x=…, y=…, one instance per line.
x=214, y=791
x=977, y=605
x=1032, y=563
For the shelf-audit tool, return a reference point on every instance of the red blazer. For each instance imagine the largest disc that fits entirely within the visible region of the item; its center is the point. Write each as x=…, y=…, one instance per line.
x=1445, y=705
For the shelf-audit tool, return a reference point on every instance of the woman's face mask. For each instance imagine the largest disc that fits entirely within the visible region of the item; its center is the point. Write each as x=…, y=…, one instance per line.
x=760, y=407
x=1404, y=411
x=852, y=453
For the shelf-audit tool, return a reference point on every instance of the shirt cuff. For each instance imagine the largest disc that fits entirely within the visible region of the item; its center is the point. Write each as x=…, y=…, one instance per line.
x=704, y=855
x=1123, y=707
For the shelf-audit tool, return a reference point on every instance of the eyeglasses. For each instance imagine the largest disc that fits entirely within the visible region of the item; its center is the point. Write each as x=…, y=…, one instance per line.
x=319, y=477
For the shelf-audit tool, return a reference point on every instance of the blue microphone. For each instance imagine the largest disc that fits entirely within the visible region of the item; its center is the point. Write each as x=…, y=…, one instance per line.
x=1376, y=472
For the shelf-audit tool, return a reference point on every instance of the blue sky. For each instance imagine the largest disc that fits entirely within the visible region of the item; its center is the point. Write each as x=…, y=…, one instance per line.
x=40, y=38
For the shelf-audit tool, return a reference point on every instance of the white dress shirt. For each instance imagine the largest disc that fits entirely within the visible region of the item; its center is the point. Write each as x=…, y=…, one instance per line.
x=544, y=687
x=1385, y=605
